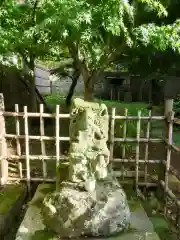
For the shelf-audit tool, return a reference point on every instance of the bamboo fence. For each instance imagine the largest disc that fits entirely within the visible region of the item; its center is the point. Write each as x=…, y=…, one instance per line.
x=137, y=175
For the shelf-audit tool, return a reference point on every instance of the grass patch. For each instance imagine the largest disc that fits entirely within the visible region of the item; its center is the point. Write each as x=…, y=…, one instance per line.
x=54, y=100
x=162, y=228
x=9, y=196
x=133, y=108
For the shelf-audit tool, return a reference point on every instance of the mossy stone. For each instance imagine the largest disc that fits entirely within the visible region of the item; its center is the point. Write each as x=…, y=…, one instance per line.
x=9, y=195
x=43, y=235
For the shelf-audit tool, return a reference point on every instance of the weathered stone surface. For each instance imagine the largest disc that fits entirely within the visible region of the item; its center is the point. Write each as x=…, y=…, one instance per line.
x=88, y=154
x=90, y=202
x=33, y=228
x=72, y=212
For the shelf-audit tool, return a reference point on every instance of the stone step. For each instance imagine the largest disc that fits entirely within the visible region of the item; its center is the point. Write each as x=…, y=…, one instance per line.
x=32, y=226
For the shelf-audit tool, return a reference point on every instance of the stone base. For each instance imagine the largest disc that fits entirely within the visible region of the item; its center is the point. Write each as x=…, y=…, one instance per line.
x=32, y=227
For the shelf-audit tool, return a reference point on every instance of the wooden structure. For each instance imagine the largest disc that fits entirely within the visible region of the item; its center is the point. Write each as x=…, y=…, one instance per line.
x=27, y=158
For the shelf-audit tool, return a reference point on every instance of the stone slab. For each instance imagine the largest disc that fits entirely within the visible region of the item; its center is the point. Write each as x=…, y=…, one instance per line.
x=32, y=227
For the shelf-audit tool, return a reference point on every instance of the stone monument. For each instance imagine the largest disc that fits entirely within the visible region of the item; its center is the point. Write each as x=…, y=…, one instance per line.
x=90, y=202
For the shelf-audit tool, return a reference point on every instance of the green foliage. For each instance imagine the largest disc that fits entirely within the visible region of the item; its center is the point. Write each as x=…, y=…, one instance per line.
x=44, y=235
x=91, y=32
x=176, y=106
x=54, y=100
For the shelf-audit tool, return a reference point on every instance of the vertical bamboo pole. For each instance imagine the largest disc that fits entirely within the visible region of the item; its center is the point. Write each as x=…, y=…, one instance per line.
x=137, y=150
x=27, y=148
x=147, y=148
x=3, y=144
x=112, y=124
x=18, y=145
x=168, y=160
x=162, y=168
x=57, y=143
x=124, y=136
x=43, y=148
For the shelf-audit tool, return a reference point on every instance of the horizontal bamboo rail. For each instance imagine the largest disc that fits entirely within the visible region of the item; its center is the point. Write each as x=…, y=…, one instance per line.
x=141, y=117
x=63, y=115
x=129, y=174
x=130, y=140
x=35, y=157
x=173, y=171
x=14, y=136
x=29, y=114
x=177, y=121
x=120, y=160
x=52, y=157
x=173, y=146
x=140, y=140
x=170, y=194
x=33, y=179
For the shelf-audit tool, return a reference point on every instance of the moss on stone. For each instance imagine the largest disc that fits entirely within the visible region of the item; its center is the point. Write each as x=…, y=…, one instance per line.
x=50, y=188
x=134, y=204
x=43, y=235
x=38, y=201
x=9, y=195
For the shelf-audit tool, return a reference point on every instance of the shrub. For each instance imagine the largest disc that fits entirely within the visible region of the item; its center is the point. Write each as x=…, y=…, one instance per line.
x=177, y=108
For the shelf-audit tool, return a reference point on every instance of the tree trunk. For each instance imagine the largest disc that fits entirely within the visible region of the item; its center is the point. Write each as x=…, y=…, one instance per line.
x=33, y=93
x=29, y=68
x=89, y=89
x=72, y=87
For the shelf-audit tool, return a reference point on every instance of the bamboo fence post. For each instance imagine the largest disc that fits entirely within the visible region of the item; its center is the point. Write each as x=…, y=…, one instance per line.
x=137, y=150
x=147, y=147
x=26, y=130
x=18, y=145
x=43, y=148
x=57, y=144
x=168, y=161
x=3, y=144
x=124, y=136
x=112, y=125
x=162, y=168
